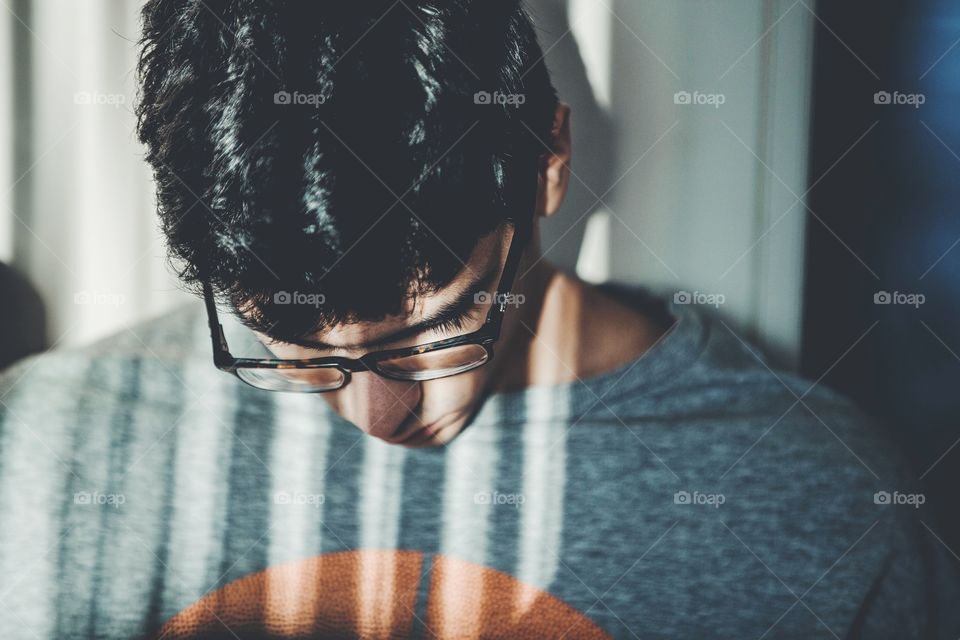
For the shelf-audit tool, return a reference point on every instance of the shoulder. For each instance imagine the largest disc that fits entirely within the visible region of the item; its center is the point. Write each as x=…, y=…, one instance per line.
x=770, y=429
x=816, y=488
x=145, y=366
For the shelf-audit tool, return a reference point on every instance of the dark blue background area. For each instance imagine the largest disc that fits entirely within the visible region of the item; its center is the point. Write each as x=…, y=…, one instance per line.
x=894, y=200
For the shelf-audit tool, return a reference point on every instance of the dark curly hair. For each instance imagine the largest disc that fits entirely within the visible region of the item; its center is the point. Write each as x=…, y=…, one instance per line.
x=282, y=134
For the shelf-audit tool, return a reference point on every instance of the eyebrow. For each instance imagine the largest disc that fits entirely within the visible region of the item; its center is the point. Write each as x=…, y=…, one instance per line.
x=451, y=311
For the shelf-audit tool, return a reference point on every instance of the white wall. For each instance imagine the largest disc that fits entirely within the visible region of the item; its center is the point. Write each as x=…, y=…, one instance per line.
x=695, y=208
x=6, y=137
x=89, y=239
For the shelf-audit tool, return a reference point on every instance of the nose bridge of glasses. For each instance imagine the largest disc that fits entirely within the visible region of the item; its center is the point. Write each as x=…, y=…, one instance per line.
x=351, y=365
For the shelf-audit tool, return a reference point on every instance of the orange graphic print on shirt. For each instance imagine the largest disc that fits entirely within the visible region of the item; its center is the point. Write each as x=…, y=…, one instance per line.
x=373, y=594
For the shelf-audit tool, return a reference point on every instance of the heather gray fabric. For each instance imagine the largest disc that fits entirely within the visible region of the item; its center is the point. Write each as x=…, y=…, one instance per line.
x=691, y=494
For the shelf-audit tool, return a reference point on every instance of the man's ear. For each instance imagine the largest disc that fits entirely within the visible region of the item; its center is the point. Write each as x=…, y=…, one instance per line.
x=555, y=166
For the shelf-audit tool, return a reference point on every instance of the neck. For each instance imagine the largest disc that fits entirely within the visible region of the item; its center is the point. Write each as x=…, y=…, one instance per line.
x=565, y=330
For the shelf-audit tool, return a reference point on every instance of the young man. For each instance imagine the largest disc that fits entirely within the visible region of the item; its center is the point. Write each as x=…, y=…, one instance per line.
x=466, y=442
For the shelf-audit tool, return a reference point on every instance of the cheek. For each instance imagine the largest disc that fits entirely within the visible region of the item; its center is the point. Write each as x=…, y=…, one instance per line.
x=453, y=394
x=447, y=405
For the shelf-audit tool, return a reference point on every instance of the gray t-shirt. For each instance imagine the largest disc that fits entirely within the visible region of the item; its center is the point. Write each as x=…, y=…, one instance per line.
x=690, y=494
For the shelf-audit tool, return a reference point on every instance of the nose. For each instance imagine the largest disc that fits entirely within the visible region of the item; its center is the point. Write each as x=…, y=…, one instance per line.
x=376, y=405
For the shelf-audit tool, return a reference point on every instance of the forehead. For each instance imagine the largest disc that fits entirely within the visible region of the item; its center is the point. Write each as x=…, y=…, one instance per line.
x=482, y=270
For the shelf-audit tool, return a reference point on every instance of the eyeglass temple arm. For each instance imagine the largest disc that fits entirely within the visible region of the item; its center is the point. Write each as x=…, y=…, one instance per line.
x=494, y=320
x=523, y=227
x=220, y=349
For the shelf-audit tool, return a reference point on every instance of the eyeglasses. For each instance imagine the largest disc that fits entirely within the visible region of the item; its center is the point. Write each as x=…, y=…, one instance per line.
x=430, y=361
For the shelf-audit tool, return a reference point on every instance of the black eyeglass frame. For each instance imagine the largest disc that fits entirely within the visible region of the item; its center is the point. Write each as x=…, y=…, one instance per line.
x=484, y=337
